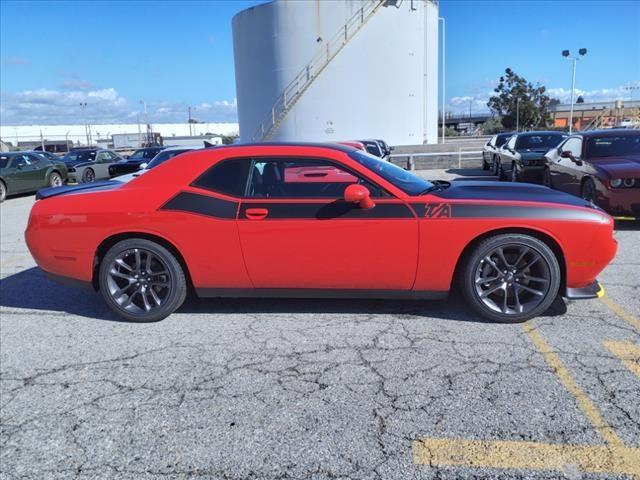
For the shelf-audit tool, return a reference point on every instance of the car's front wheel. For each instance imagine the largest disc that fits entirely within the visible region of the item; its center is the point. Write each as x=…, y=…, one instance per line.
x=546, y=178
x=511, y=278
x=588, y=190
x=485, y=165
x=514, y=173
x=141, y=280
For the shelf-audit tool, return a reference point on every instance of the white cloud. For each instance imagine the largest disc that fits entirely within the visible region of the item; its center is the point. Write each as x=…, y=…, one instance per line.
x=106, y=105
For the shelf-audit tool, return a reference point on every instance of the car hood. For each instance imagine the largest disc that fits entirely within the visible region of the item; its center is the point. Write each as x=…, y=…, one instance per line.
x=513, y=192
x=532, y=154
x=619, y=167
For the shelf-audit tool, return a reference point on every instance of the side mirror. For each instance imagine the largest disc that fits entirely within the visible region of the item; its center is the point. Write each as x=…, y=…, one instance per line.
x=126, y=157
x=566, y=154
x=143, y=166
x=359, y=194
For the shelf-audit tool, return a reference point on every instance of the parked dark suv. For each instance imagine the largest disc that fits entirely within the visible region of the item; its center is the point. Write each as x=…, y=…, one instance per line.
x=133, y=162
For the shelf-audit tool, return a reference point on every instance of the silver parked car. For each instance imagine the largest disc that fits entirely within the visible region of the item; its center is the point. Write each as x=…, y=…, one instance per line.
x=89, y=164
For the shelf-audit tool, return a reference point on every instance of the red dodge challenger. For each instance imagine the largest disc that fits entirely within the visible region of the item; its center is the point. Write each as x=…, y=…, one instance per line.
x=317, y=220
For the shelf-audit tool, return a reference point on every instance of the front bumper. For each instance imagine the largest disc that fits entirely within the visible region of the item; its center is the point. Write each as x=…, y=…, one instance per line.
x=530, y=172
x=594, y=290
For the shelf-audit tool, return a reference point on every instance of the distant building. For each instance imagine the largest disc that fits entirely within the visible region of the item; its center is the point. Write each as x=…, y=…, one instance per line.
x=589, y=116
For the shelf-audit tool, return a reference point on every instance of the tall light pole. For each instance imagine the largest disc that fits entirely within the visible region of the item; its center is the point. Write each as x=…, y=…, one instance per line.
x=146, y=120
x=84, y=113
x=517, y=114
x=443, y=75
x=566, y=53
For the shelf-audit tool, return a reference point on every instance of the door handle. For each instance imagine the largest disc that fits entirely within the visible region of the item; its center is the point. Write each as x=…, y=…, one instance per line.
x=256, y=213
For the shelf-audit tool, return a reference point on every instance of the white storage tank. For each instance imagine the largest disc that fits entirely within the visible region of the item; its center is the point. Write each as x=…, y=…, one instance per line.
x=330, y=70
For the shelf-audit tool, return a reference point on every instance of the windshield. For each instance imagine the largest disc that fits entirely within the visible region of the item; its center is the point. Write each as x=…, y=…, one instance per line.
x=164, y=156
x=502, y=138
x=79, y=156
x=538, y=142
x=613, y=146
x=406, y=181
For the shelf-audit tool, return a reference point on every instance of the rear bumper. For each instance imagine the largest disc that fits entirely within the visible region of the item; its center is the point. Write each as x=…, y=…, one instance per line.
x=69, y=281
x=593, y=290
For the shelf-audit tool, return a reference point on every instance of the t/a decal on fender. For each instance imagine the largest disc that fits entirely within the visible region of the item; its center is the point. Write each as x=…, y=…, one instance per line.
x=435, y=210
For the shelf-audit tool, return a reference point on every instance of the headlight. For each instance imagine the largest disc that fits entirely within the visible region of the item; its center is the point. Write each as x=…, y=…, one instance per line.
x=629, y=182
x=616, y=182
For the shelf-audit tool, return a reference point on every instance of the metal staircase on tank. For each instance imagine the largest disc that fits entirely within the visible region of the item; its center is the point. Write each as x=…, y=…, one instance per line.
x=598, y=120
x=296, y=88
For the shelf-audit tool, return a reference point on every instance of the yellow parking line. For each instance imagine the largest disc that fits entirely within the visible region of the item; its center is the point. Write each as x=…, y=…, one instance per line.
x=628, y=353
x=621, y=312
x=584, y=403
x=618, y=460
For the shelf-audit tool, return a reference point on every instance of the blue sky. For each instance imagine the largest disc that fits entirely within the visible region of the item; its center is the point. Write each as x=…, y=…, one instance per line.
x=174, y=54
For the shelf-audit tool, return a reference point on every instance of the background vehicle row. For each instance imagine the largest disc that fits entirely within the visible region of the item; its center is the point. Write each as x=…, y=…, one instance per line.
x=22, y=172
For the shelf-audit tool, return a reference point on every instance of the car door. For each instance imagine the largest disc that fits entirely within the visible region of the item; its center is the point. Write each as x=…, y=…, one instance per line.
x=507, y=153
x=297, y=232
x=569, y=170
x=19, y=173
x=103, y=160
x=489, y=148
x=36, y=172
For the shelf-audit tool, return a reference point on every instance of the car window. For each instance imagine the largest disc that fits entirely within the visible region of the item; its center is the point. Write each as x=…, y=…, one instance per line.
x=302, y=178
x=512, y=141
x=19, y=161
x=492, y=142
x=501, y=139
x=573, y=145
x=113, y=156
x=103, y=157
x=613, y=146
x=32, y=159
x=4, y=161
x=534, y=142
x=228, y=177
x=164, y=156
x=80, y=156
x=372, y=148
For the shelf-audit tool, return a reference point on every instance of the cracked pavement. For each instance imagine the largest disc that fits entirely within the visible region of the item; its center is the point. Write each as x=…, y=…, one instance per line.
x=293, y=389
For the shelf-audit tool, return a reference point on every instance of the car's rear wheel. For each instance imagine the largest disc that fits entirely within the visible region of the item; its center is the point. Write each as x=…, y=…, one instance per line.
x=500, y=171
x=588, y=190
x=511, y=278
x=141, y=280
x=546, y=178
x=55, y=180
x=3, y=191
x=88, y=176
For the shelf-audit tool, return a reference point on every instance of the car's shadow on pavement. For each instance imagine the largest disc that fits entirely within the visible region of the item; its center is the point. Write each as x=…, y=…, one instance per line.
x=30, y=289
x=627, y=225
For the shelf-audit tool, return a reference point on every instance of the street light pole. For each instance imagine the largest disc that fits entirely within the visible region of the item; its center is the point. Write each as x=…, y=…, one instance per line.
x=84, y=113
x=517, y=114
x=565, y=53
x=146, y=120
x=443, y=76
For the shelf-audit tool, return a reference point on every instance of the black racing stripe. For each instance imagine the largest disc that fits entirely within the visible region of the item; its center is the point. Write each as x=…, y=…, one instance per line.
x=513, y=211
x=323, y=211
x=202, y=205
x=453, y=210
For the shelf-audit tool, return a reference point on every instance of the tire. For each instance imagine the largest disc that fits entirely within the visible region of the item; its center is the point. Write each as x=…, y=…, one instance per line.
x=485, y=165
x=88, y=175
x=546, y=178
x=55, y=180
x=514, y=173
x=3, y=191
x=530, y=285
x=142, y=290
x=494, y=165
x=588, y=190
x=500, y=172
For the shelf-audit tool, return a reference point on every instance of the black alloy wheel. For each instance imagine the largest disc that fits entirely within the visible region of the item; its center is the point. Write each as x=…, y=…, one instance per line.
x=142, y=281
x=511, y=278
x=3, y=191
x=88, y=175
x=514, y=173
x=588, y=190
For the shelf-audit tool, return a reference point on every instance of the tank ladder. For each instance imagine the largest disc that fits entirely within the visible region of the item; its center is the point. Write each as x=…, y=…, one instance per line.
x=296, y=88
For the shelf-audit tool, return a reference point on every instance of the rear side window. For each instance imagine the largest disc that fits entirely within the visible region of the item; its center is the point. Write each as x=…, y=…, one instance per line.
x=228, y=177
x=4, y=161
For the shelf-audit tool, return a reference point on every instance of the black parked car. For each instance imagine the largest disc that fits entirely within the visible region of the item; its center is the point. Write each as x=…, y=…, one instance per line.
x=490, y=151
x=522, y=156
x=132, y=163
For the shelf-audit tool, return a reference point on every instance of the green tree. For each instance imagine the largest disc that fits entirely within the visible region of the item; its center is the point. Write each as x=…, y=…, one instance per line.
x=492, y=125
x=516, y=97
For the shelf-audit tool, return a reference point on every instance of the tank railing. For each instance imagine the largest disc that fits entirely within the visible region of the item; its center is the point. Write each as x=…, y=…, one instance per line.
x=323, y=56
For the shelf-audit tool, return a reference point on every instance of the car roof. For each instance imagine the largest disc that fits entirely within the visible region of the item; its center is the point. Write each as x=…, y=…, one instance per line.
x=611, y=132
x=184, y=147
x=333, y=146
x=541, y=132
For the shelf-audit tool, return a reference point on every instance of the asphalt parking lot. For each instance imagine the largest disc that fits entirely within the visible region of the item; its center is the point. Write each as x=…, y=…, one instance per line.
x=300, y=389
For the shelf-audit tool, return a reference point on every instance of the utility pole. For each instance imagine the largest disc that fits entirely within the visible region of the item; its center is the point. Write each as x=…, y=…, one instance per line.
x=146, y=120
x=566, y=53
x=190, y=133
x=517, y=114
x=443, y=76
